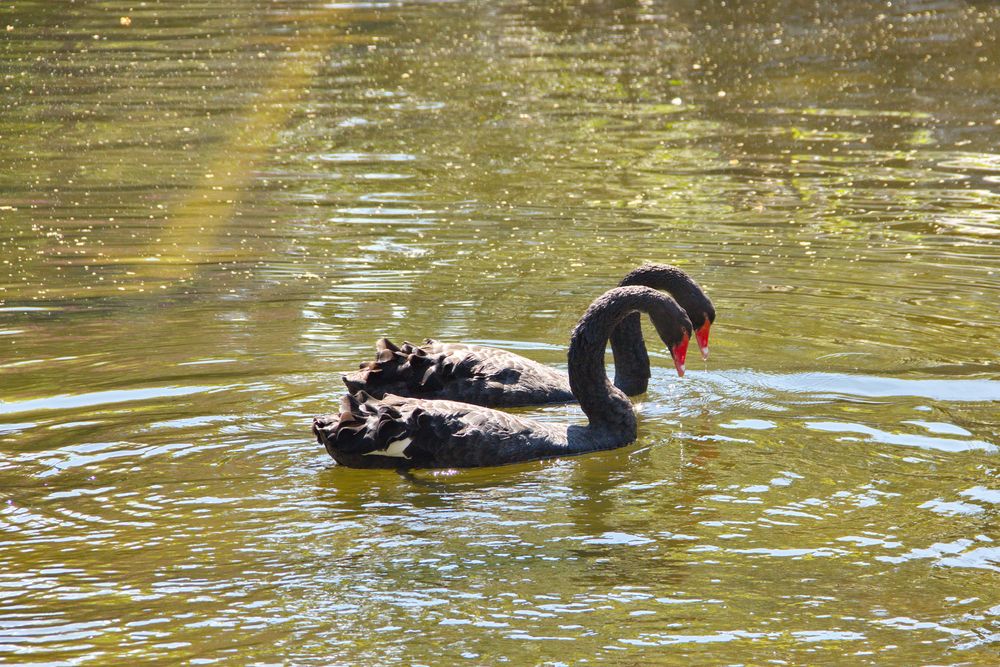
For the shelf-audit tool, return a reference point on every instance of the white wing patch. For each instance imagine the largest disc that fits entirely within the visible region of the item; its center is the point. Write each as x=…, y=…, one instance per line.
x=395, y=448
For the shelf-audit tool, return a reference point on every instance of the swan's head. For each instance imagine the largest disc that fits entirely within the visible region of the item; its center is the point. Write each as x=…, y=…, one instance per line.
x=700, y=311
x=674, y=328
x=685, y=291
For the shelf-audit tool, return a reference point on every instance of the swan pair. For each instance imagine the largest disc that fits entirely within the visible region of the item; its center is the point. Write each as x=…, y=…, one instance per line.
x=430, y=406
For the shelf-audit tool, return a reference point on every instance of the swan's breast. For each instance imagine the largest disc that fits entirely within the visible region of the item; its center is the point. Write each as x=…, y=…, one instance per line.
x=395, y=448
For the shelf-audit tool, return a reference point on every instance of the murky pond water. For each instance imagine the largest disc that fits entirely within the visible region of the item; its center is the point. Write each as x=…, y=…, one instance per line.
x=207, y=215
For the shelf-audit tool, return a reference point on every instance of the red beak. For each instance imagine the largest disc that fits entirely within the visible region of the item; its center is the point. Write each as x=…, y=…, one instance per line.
x=702, y=336
x=679, y=353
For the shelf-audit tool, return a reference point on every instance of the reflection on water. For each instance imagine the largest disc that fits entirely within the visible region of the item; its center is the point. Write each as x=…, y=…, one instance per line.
x=206, y=218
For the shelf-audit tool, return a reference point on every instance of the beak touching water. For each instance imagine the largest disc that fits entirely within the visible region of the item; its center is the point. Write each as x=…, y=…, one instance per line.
x=702, y=336
x=679, y=353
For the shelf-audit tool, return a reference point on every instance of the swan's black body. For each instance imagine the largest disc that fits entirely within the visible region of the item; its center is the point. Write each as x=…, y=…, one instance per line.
x=459, y=372
x=498, y=378
x=411, y=432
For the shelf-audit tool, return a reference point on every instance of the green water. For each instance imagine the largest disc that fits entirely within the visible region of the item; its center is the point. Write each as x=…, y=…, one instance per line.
x=210, y=210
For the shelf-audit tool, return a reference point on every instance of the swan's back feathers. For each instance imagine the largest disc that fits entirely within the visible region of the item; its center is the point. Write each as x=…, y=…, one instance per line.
x=455, y=371
x=407, y=370
x=401, y=432
x=363, y=425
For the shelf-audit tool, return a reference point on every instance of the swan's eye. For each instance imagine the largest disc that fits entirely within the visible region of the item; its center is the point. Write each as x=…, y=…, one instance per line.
x=679, y=353
x=702, y=336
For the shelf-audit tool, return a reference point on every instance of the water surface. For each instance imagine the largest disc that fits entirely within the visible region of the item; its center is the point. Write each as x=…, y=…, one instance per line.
x=207, y=216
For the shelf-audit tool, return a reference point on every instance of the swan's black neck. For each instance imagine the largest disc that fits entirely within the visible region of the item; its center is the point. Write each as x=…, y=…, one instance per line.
x=631, y=358
x=627, y=345
x=605, y=405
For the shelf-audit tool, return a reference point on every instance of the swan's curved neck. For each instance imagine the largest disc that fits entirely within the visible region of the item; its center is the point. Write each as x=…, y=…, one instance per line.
x=631, y=357
x=604, y=404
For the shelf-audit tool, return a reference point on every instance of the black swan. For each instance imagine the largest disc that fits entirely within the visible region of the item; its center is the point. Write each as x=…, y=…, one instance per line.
x=401, y=432
x=498, y=378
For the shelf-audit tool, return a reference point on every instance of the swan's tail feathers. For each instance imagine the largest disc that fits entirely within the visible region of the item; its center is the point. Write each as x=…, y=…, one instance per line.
x=367, y=426
x=354, y=385
x=407, y=370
